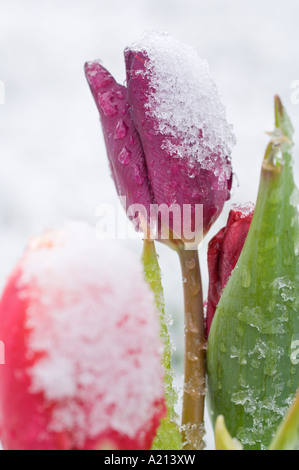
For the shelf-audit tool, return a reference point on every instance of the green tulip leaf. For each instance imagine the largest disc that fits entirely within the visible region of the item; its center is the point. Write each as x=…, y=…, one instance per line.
x=252, y=379
x=168, y=434
x=223, y=439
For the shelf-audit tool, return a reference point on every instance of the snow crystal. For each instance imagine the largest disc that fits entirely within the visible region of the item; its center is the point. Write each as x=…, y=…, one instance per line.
x=246, y=208
x=95, y=330
x=285, y=287
x=184, y=102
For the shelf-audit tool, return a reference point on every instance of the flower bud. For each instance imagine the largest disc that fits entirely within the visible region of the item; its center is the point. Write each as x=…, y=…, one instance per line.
x=182, y=141
x=224, y=250
x=181, y=122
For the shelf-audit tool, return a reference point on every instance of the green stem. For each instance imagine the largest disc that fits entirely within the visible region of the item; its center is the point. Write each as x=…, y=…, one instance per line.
x=168, y=434
x=194, y=359
x=153, y=277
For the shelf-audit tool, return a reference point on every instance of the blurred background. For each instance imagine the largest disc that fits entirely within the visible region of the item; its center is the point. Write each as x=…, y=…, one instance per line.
x=53, y=163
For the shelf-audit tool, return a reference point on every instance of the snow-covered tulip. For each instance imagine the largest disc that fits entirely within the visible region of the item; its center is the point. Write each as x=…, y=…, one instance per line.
x=224, y=250
x=252, y=375
x=82, y=350
x=166, y=134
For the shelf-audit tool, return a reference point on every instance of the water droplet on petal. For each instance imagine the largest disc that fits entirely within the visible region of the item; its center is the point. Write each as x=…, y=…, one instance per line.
x=120, y=130
x=125, y=156
x=137, y=175
x=108, y=107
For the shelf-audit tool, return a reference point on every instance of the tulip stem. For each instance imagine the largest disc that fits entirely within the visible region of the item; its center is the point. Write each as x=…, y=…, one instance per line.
x=194, y=359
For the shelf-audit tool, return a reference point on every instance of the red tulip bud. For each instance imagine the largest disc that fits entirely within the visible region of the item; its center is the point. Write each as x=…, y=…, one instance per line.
x=223, y=253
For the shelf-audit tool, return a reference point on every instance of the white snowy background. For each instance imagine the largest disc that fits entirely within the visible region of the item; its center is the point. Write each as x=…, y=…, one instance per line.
x=53, y=163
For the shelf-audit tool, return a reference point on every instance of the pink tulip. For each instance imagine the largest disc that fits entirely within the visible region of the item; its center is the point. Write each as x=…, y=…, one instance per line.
x=124, y=148
x=176, y=146
x=82, y=350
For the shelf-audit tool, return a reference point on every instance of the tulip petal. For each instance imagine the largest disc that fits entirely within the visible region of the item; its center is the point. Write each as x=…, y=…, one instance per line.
x=214, y=283
x=123, y=144
x=185, y=166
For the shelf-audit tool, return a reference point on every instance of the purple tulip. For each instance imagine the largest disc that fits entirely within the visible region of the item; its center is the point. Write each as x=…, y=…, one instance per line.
x=166, y=134
x=124, y=147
